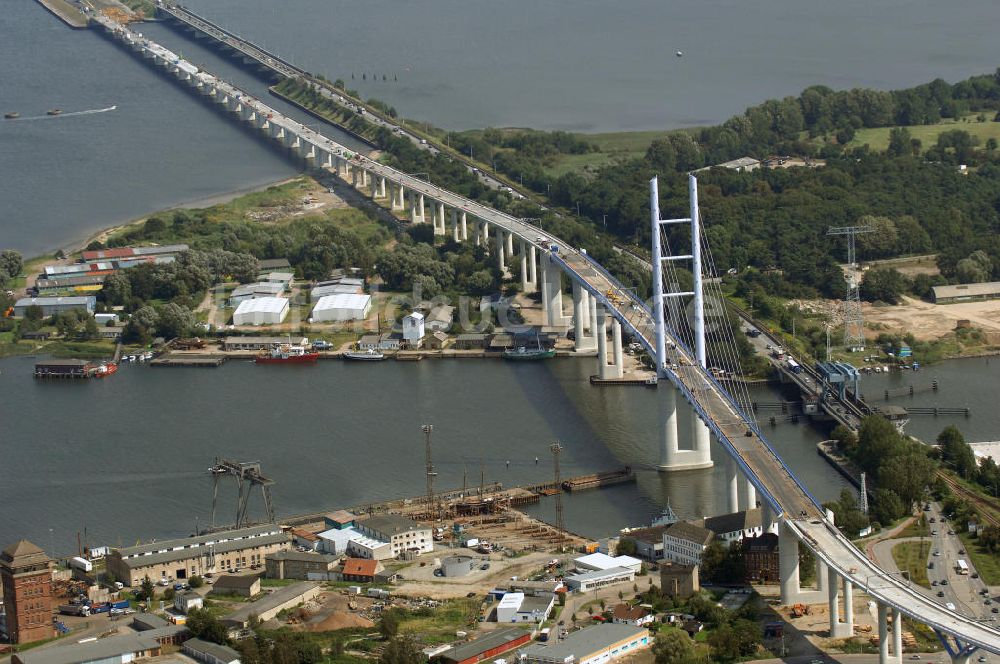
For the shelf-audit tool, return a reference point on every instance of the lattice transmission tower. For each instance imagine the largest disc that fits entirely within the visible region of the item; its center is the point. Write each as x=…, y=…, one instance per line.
x=854, y=323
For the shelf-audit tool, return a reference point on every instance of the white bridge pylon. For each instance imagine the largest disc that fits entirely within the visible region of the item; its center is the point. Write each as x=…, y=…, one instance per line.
x=672, y=457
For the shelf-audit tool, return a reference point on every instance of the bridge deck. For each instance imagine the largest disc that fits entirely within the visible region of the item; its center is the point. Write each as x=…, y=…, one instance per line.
x=737, y=431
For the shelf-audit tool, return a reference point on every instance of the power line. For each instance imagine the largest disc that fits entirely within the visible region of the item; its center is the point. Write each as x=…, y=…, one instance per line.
x=854, y=324
x=556, y=448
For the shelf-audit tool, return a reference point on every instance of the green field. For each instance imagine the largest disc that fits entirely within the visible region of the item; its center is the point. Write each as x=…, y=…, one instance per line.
x=986, y=563
x=627, y=144
x=912, y=557
x=878, y=138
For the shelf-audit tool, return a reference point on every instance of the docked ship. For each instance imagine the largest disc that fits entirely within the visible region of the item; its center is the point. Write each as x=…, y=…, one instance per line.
x=13, y=115
x=286, y=354
x=105, y=370
x=522, y=353
x=370, y=355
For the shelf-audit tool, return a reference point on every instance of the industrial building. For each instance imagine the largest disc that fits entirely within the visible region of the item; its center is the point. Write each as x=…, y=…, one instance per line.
x=413, y=329
x=518, y=607
x=185, y=557
x=335, y=289
x=110, y=650
x=760, y=556
x=64, y=368
x=259, y=343
x=234, y=584
x=284, y=279
x=245, y=292
x=679, y=581
x=26, y=580
x=351, y=542
x=591, y=645
x=486, y=647
x=455, y=566
x=75, y=285
x=342, y=307
x=339, y=520
x=261, y=311
x=273, y=603
x=55, y=305
x=210, y=653
x=273, y=264
x=599, y=579
x=734, y=527
x=361, y=570
x=601, y=562
x=684, y=543
x=966, y=292
x=184, y=602
x=116, y=253
x=403, y=534
x=648, y=541
x=303, y=565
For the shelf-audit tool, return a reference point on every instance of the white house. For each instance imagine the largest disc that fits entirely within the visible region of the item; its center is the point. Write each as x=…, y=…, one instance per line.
x=413, y=329
x=283, y=278
x=261, y=311
x=684, y=543
x=184, y=602
x=736, y=526
x=599, y=562
x=342, y=307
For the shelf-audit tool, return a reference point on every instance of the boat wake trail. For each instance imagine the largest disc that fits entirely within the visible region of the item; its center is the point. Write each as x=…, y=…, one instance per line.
x=71, y=114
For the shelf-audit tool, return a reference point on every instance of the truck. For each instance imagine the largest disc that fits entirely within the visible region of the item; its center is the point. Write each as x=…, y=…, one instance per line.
x=74, y=609
x=378, y=593
x=472, y=542
x=81, y=564
x=544, y=634
x=106, y=607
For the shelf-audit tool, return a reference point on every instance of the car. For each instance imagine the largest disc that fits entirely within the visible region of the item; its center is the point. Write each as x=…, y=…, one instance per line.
x=423, y=141
x=934, y=532
x=937, y=553
x=975, y=575
x=927, y=508
x=988, y=602
x=994, y=610
x=984, y=592
x=940, y=593
x=914, y=656
x=470, y=595
x=961, y=552
x=484, y=566
x=951, y=532
x=930, y=565
x=933, y=520
x=982, y=658
x=944, y=582
x=934, y=583
x=439, y=572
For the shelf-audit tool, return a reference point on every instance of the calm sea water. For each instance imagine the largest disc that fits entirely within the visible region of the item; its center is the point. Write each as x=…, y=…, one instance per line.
x=126, y=457
x=584, y=65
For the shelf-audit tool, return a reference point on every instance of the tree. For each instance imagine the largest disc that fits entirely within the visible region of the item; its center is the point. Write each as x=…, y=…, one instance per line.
x=885, y=284
x=846, y=439
x=117, y=288
x=886, y=506
x=389, y=625
x=847, y=515
x=672, y=646
x=34, y=313
x=734, y=641
x=11, y=264
x=175, y=321
x=146, y=590
x=401, y=650
x=203, y=625
x=626, y=547
x=899, y=142
x=90, y=330
x=196, y=581
x=956, y=452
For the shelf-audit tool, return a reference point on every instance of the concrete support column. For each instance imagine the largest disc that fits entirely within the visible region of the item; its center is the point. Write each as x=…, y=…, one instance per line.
x=580, y=311
x=533, y=266
x=702, y=442
x=414, y=218
x=555, y=294
x=732, y=486
x=592, y=302
x=751, y=493
x=476, y=233
x=501, y=263
x=355, y=175
x=849, y=606
x=381, y=187
x=455, y=235
x=440, y=215
x=767, y=517
x=420, y=207
x=821, y=576
x=668, y=448
x=546, y=316
x=509, y=238
x=523, y=250
x=788, y=564
x=897, y=636
x=883, y=635
x=618, y=367
x=465, y=228
x=602, y=344
x=838, y=630
x=485, y=234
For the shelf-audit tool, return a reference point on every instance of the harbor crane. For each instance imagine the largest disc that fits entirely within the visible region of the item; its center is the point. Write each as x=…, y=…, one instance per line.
x=248, y=476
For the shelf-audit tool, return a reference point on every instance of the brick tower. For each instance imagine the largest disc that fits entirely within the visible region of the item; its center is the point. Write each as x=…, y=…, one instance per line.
x=26, y=577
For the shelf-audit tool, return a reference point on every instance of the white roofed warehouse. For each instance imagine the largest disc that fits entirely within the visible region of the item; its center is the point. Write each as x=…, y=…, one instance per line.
x=261, y=311
x=342, y=307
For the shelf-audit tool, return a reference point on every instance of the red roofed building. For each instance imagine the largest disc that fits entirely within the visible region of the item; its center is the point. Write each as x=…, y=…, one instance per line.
x=105, y=254
x=360, y=569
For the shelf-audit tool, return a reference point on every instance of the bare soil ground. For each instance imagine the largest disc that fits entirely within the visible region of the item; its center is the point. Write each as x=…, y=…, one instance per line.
x=932, y=321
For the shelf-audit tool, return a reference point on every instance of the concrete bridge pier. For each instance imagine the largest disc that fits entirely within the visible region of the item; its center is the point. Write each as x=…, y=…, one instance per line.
x=465, y=227
x=509, y=239
x=883, y=634
x=838, y=630
x=484, y=234
x=602, y=343
x=732, y=485
x=456, y=235
x=617, y=356
x=897, y=636
x=668, y=444
x=788, y=570
x=500, y=250
x=412, y=199
x=523, y=253
x=381, y=187
x=533, y=266
x=615, y=369
x=397, y=202
x=327, y=160
x=581, y=313
x=441, y=230
x=421, y=209
x=476, y=233
x=750, y=491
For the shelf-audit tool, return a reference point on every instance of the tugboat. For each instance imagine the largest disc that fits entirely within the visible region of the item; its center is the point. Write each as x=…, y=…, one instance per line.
x=54, y=111
x=105, y=370
x=286, y=354
x=13, y=115
x=370, y=355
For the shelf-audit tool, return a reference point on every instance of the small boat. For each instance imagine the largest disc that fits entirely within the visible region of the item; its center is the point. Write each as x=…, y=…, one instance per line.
x=680, y=54
x=13, y=115
x=370, y=355
x=286, y=354
x=54, y=111
x=105, y=370
x=521, y=353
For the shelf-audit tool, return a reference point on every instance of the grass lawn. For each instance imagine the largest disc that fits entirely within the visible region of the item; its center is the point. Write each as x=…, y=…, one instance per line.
x=912, y=557
x=629, y=144
x=878, y=138
x=986, y=563
x=918, y=528
x=438, y=625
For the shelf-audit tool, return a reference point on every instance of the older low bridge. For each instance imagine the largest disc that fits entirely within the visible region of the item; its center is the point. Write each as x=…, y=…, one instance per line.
x=600, y=302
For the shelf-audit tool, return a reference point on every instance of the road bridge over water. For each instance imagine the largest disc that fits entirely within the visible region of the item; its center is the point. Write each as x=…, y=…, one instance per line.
x=600, y=302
